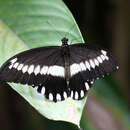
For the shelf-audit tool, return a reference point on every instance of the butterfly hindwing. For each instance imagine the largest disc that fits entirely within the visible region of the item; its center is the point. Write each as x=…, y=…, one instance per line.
x=58, y=91
x=78, y=87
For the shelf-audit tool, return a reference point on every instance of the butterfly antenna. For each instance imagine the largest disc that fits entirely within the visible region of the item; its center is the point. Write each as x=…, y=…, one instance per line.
x=59, y=35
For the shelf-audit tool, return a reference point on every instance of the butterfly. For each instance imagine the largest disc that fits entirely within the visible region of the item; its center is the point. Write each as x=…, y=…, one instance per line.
x=59, y=72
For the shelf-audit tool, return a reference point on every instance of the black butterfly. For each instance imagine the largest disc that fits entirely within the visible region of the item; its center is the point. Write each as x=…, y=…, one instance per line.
x=59, y=72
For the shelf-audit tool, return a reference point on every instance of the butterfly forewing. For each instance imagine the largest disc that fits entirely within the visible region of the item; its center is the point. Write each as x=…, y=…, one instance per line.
x=94, y=61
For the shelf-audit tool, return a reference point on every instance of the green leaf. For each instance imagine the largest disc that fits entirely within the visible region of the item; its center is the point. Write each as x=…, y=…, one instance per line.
x=109, y=93
x=28, y=24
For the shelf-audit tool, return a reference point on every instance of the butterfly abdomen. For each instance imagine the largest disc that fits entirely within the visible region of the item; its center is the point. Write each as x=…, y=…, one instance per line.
x=66, y=56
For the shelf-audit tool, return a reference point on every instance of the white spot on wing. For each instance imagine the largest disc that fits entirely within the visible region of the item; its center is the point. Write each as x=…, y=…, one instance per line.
x=104, y=52
x=82, y=66
x=15, y=65
x=10, y=67
x=13, y=60
x=56, y=71
x=87, y=65
x=76, y=95
x=50, y=96
x=106, y=57
x=44, y=70
x=43, y=91
x=65, y=95
x=37, y=70
x=74, y=69
x=31, y=69
x=87, y=86
x=99, y=59
x=24, y=69
x=91, y=82
x=58, y=97
x=103, y=57
x=20, y=67
x=92, y=64
x=96, y=62
x=72, y=94
x=81, y=93
x=97, y=78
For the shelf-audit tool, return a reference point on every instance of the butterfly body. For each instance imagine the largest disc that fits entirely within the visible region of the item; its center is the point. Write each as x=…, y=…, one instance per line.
x=59, y=72
x=66, y=55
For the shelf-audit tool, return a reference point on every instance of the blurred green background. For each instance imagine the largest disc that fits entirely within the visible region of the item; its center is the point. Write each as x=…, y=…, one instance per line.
x=108, y=105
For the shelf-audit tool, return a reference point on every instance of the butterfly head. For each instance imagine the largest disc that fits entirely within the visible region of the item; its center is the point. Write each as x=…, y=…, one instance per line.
x=64, y=41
